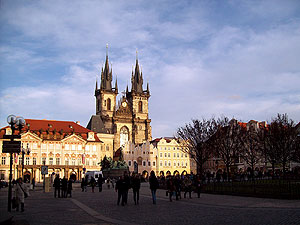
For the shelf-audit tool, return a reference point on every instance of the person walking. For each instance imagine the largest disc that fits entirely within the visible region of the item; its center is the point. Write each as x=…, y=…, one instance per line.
x=33, y=183
x=177, y=186
x=127, y=186
x=100, y=181
x=121, y=189
x=82, y=184
x=64, y=187
x=69, y=189
x=136, y=185
x=153, y=186
x=187, y=182
x=93, y=183
x=21, y=192
x=170, y=187
x=198, y=185
x=56, y=186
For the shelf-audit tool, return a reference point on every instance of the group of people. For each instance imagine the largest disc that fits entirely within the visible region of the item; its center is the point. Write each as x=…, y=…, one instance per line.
x=186, y=184
x=62, y=187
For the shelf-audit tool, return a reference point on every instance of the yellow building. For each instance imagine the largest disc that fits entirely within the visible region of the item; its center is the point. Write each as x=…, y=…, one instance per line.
x=64, y=146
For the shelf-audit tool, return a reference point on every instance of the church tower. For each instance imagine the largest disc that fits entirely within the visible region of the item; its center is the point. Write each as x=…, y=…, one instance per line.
x=106, y=96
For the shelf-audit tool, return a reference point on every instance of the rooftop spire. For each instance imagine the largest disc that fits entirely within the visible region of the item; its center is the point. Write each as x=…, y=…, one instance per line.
x=116, y=85
x=106, y=74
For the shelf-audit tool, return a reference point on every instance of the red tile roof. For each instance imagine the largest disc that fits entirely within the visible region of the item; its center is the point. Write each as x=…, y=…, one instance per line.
x=53, y=129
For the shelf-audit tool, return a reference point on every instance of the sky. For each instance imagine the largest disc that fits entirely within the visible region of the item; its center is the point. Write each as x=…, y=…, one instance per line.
x=202, y=59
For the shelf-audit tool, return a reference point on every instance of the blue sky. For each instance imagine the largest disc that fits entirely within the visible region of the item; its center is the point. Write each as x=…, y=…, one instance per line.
x=201, y=58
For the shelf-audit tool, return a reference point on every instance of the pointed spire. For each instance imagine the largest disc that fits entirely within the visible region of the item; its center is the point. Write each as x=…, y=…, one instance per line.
x=106, y=74
x=127, y=89
x=96, y=84
x=148, y=90
x=116, y=85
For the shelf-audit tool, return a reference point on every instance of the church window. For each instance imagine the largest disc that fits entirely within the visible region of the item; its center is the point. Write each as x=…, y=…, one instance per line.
x=108, y=104
x=140, y=106
x=124, y=136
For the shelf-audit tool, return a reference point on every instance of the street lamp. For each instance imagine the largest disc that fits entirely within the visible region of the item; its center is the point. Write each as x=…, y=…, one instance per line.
x=15, y=123
x=27, y=152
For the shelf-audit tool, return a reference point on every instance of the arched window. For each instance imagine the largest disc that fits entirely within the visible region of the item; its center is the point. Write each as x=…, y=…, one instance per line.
x=140, y=106
x=124, y=136
x=108, y=104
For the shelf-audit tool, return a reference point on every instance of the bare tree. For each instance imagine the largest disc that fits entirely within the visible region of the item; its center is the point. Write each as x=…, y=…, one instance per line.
x=227, y=141
x=251, y=145
x=282, y=139
x=194, y=139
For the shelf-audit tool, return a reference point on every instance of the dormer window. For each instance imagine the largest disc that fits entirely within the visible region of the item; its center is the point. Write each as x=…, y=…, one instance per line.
x=91, y=136
x=49, y=125
x=71, y=126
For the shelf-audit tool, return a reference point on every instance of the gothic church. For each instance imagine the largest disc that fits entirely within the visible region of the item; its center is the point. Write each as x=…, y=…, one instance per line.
x=125, y=121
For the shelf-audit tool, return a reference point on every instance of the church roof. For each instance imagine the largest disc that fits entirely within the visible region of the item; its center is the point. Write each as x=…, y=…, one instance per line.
x=96, y=124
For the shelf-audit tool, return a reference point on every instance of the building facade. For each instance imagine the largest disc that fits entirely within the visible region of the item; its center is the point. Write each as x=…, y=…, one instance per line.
x=64, y=146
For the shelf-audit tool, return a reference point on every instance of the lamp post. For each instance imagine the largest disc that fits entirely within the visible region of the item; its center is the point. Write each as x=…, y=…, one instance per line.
x=15, y=123
x=27, y=152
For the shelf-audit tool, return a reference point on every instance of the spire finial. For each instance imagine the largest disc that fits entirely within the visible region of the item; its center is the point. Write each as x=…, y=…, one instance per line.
x=136, y=52
x=107, y=49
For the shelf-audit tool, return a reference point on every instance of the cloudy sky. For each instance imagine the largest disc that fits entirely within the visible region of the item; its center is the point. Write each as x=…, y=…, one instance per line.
x=201, y=58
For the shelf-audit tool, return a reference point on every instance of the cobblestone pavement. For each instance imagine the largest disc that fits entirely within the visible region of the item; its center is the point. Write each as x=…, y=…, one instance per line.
x=89, y=208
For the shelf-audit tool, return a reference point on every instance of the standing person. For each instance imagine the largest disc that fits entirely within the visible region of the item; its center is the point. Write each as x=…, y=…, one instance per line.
x=187, y=182
x=33, y=183
x=177, y=186
x=170, y=187
x=198, y=185
x=136, y=185
x=108, y=183
x=153, y=185
x=56, y=186
x=86, y=182
x=64, y=187
x=82, y=184
x=93, y=183
x=21, y=192
x=121, y=188
x=127, y=186
x=69, y=189
x=100, y=181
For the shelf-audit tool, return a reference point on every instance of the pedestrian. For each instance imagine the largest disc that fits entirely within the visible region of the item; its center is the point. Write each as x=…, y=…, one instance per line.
x=33, y=183
x=170, y=187
x=69, y=189
x=82, y=184
x=121, y=189
x=86, y=182
x=56, y=186
x=136, y=185
x=127, y=186
x=187, y=182
x=108, y=183
x=93, y=183
x=64, y=187
x=198, y=185
x=153, y=185
x=177, y=185
x=100, y=181
x=21, y=192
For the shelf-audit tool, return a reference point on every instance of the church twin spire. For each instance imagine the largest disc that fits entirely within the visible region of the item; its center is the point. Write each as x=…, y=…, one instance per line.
x=136, y=78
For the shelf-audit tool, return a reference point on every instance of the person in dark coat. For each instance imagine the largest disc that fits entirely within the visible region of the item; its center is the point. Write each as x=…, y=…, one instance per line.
x=121, y=189
x=93, y=183
x=82, y=184
x=56, y=186
x=69, y=189
x=177, y=185
x=136, y=185
x=33, y=183
x=153, y=185
x=64, y=187
x=170, y=187
x=127, y=186
x=100, y=181
x=198, y=185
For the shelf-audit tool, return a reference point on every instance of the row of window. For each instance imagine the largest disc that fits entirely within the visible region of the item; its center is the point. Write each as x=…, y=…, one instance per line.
x=34, y=146
x=169, y=148
x=144, y=163
x=51, y=161
x=168, y=163
x=168, y=155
